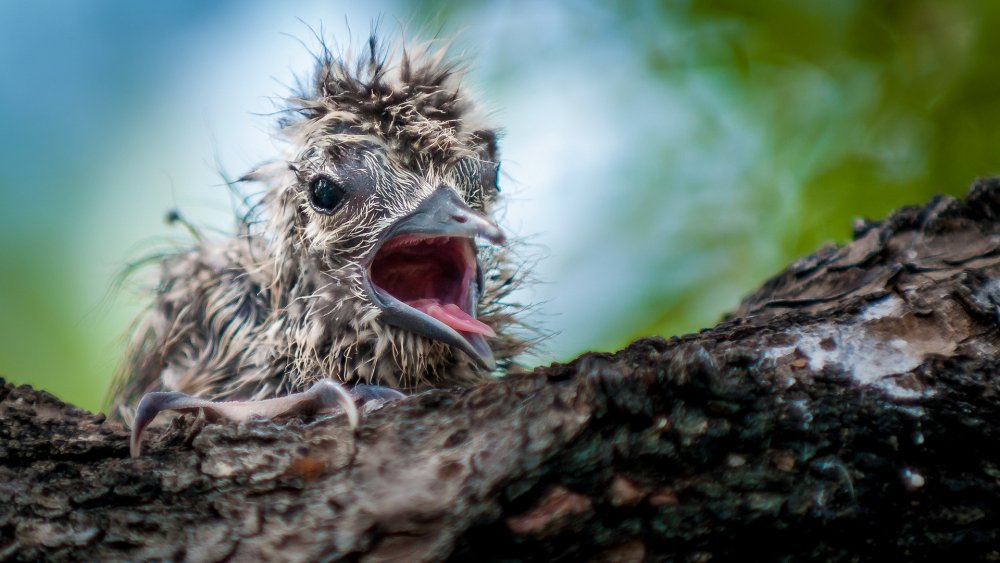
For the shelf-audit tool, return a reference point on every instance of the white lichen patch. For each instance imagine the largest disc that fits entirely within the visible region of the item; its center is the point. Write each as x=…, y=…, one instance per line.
x=911, y=479
x=865, y=350
x=801, y=406
x=886, y=307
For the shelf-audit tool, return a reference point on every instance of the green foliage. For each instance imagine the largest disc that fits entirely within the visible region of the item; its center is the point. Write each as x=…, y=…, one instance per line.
x=864, y=106
x=859, y=107
x=748, y=134
x=47, y=335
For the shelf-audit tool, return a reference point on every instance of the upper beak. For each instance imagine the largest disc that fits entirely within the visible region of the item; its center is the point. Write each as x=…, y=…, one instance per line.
x=444, y=213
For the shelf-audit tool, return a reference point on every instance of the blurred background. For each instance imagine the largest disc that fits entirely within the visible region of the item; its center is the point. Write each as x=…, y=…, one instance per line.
x=666, y=157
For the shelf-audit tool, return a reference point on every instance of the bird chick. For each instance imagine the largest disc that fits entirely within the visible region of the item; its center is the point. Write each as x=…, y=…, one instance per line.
x=370, y=264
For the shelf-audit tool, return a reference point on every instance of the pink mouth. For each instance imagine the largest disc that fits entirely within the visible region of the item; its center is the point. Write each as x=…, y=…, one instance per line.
x=434, y=276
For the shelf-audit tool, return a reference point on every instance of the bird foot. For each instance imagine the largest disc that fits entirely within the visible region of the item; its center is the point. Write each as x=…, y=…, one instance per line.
x=326, y=395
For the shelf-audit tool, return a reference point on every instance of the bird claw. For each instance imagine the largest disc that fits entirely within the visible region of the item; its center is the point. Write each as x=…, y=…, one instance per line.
x=326, y=395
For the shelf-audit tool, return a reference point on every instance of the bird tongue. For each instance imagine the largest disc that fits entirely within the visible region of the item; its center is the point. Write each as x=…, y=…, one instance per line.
x=451, y=315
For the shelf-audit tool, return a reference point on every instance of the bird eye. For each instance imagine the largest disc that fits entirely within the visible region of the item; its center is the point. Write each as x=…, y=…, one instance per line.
x=325, y=194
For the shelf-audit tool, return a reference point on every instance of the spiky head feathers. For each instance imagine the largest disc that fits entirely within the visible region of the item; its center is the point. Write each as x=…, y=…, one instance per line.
x=375, y=135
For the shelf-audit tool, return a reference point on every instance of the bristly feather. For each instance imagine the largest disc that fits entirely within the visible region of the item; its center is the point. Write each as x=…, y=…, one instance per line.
x=270, y=310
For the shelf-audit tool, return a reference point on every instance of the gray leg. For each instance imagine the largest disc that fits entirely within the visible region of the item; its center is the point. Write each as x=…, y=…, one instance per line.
x=326, y=395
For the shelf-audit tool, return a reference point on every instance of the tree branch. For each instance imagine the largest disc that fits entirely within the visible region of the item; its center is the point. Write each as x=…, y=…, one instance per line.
x=847, y=409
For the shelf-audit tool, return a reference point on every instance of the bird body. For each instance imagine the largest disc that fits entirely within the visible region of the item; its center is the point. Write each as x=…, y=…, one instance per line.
x=364, y=259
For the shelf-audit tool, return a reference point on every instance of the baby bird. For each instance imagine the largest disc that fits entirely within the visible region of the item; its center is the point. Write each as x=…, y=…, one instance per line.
x=370, y=265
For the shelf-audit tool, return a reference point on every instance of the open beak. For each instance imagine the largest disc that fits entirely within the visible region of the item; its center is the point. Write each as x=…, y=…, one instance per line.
x=425, y=275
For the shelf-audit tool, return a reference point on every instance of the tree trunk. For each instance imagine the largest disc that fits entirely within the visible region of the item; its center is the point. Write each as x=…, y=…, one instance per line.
x=848, y=409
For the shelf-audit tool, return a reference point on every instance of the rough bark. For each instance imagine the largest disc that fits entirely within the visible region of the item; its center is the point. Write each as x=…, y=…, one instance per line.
x=849, y=409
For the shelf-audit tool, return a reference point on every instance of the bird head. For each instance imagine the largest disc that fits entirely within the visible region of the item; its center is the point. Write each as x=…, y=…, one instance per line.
x=382, y=214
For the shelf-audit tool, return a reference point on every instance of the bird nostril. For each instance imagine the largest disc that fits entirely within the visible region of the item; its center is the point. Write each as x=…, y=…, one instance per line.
x=460, y=218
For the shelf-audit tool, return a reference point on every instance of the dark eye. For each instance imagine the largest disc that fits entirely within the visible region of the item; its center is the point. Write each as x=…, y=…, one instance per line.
x=325, y=194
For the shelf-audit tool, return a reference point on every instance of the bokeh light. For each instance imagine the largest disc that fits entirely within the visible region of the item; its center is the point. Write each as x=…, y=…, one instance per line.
x=664, y=158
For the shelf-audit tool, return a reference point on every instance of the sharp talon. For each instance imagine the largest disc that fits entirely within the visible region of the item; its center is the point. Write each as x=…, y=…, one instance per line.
x=151, y=405
x=330, y=394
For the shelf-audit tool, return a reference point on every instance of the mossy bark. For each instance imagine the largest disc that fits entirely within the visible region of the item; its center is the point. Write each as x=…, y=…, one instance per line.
x=849, y=409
